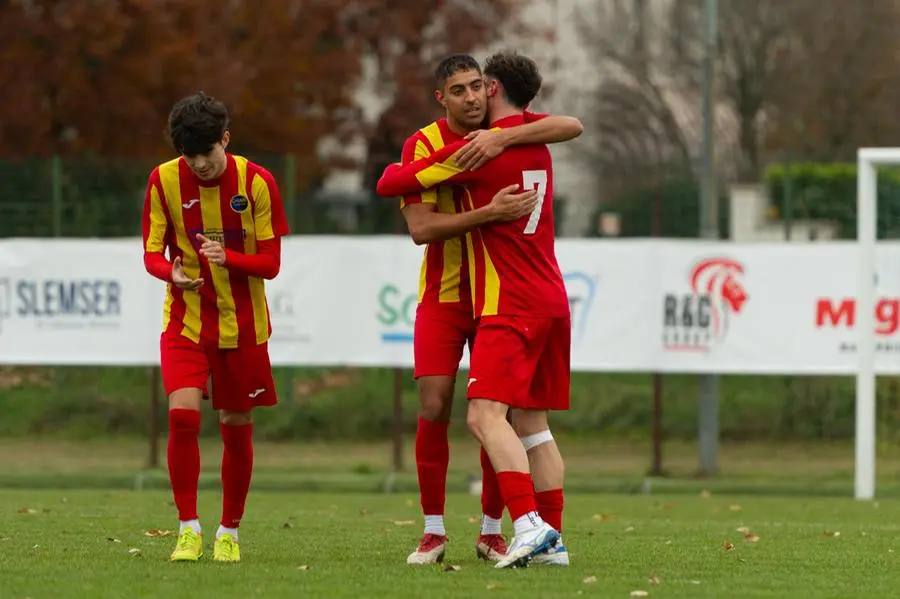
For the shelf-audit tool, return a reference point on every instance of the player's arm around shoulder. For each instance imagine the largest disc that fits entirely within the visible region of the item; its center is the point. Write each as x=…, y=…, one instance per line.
x=438, y=168
x=485, y=145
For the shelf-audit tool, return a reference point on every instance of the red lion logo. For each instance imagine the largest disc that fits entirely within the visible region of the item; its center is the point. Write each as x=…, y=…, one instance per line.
x=718, y=278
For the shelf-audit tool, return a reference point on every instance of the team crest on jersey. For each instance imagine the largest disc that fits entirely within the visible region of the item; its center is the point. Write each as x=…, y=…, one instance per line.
x=239, y=203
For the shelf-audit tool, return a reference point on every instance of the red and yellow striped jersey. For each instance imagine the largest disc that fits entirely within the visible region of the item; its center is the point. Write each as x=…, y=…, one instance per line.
x=239, y=210
x=513, y=264
x=444, y=276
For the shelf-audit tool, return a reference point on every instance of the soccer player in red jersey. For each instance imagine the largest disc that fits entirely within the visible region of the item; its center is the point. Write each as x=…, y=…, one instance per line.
x=220, y=219
x=522, y=350
x=445, y=321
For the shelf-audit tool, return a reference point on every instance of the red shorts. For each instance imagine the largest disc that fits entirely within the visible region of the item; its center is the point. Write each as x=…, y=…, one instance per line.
x=439, y=336
x=522, y=361
x=241, y=378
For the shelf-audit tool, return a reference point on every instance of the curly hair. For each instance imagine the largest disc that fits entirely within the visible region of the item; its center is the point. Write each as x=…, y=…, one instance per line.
x=518, y=75
x=196, y=124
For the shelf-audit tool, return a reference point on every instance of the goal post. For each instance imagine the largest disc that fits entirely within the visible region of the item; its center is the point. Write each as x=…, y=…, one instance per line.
x=868, y=160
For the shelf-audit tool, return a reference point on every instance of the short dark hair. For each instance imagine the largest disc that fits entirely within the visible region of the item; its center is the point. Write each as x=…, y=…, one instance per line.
x=197, y=123
x=454, y=64
x=518, y=75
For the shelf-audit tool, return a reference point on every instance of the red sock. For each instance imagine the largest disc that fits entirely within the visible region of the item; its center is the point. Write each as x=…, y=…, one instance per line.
x=432, y=460
x=237, y=469
x=550, y=507
x=491, y=498
x=518, y=493
x=183, y=456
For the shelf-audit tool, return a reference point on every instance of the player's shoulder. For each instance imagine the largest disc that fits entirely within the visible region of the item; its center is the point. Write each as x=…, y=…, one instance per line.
x=527, y=152
x=165, y=175
x=166, y=169
x=431, y=135
x=253, y=170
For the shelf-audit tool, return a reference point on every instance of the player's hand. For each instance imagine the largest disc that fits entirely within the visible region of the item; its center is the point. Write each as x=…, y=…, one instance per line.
x=212, y=250
x=181, y=280
x=483, y=145
x=511, y=204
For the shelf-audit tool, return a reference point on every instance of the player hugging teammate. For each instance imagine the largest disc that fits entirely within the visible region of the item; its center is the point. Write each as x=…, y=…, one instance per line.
x=489, y=279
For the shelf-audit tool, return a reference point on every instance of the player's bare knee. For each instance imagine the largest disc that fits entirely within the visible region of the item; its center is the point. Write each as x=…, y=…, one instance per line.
x=230, y=418
x=436, y=398
x=185, y=399
x=484, y=414
x=477, y=420
x=529, y=422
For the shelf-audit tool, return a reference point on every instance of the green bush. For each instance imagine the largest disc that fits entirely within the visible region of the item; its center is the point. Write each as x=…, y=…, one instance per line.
x=675, y=206
x=828, y=192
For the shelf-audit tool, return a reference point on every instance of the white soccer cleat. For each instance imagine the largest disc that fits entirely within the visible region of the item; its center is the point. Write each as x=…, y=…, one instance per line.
x=430, y=550
x=525, y=546
x=557, y=555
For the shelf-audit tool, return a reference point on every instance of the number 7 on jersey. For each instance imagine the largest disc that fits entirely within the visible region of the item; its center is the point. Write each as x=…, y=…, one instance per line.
x=535, y=180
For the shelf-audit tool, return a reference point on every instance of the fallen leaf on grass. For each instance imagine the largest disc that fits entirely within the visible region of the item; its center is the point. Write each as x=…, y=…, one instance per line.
x=728, y=546
x=828, y=533
x=451, y=568
x=734, y=507
x=404, y=522
x=751, y=537
x=27, y=510
x=744, y=530
x=639, y=593
x=590, y=580
x=653, y=580
x=603, y=517
x=304, y=567
x=155, y=532
x=134, y=552
x=113, y=540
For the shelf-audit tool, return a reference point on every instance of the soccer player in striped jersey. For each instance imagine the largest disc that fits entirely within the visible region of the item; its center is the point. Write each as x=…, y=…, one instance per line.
x=521, y=356
x=212, y=228
x=444, y=321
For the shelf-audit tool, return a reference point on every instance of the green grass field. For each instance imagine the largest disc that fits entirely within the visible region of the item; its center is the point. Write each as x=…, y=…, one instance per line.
x=71, y=512
x=81, y=544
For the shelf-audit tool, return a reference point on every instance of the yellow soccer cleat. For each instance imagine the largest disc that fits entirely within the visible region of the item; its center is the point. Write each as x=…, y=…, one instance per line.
x=189, y=547
x=226, y=549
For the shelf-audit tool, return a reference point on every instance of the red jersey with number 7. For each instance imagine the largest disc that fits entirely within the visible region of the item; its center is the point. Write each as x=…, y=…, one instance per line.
x=512, y=265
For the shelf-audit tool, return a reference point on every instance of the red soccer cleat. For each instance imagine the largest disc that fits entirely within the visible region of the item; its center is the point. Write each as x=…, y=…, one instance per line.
x=430, y=550
x=491, y=547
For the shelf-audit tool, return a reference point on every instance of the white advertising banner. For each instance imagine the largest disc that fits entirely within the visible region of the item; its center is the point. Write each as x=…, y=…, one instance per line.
x=637, y=305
